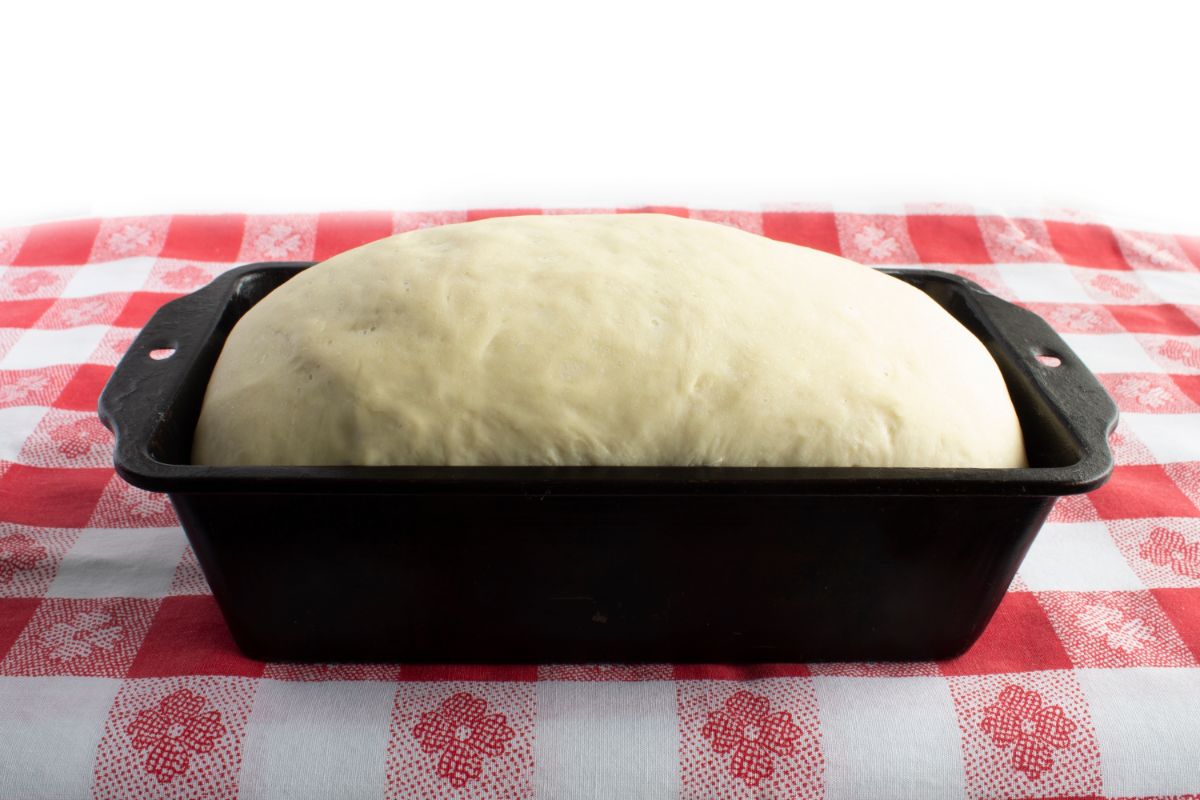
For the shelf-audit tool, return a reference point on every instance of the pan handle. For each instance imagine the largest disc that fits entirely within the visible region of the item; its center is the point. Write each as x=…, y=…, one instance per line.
x=159, y=383
x=1042, y=356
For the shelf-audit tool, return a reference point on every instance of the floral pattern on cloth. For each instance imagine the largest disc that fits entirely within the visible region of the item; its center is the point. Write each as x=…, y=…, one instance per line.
x=1120, y=609
x=176, y=738
x=30, y=282
x=1111, y=624
x=123, y=505
x=461, y=739
x=462, y=733
x=18, y=552
x=1184, y=353
x=1168, y=548
x=760, y=738
x=872, y=239
x=1115, y=629
x=173, y=731
x=1026, y=735
x=89, y=630
x=279, y=238
x=20, y=389
x=755, y=736
x=1019, y=718
x=77, y=438
x=96, y=637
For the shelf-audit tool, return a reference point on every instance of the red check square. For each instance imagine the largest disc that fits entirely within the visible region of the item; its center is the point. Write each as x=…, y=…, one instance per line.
x=674, y=211
x=141, y=307
x=1189, y=385
x=189, y=637
x=488, y=213
x=337, y=233
x=205, y=237
x=58, y=243
x=948, y=239
x=1182, y=607
x=82, y=392
x=15, y=613
x=512, y=673
x=730, y=672
x=1141, y=491
x=815, y=229
x=23, y=313
x=1163, y=319
x=1191, y=246
x=1019, y=638
x=51, y=498
x=1086, y=245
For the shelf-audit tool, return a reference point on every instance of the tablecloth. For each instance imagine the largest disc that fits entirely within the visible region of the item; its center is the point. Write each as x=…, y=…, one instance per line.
x=118, y=678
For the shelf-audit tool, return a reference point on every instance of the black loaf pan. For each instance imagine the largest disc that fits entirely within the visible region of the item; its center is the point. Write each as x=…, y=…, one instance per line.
x=598, y=564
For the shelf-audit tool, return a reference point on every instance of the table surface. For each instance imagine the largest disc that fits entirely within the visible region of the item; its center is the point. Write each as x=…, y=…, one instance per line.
x=118, y=678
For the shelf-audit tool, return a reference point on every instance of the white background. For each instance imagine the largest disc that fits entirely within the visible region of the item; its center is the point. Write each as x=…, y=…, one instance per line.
x=120, y=107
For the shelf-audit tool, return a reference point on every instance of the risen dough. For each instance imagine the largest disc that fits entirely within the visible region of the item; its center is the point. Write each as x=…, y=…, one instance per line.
x=607, y=339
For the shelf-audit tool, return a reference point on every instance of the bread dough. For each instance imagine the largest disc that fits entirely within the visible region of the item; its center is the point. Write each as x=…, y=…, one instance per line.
x=632, y=339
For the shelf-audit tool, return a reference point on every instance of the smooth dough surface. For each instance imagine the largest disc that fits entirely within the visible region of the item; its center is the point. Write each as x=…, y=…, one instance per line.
x=634, y=339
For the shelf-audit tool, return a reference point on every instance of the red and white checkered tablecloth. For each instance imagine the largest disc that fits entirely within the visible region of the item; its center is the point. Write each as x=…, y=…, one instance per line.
x=118, y=678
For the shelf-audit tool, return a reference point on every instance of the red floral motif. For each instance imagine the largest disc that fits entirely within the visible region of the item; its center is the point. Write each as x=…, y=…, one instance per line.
x=30, y=282
x=128, y=239
x=1115, y=286
x=1166, y=547
x=18, y=551
x=1153, y=252
x=144, y=504
x=1144, y=392
x=1018, y=717
x=85, y=312
x=747, y=728
x=185, y=277
x=464, y=734
x=173, y=731
x=279, y=241
x=21, y=388
x=1019, y=243
x=1073, y=318
x=78, y=638
x=75, y=439
x=1182, y=352
x=876, y=242
x=1127, y=634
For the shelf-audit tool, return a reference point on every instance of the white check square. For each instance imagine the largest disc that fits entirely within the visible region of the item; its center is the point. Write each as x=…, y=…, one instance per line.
x=1180, y=288
x=47, y=348
x=1077, y=557
x=1043, y=283
x=120, y=562
x=125, y=275
x=50, y=728
x=1111, y=352
x=1169, y=437
x=16, y=424
x=866, y=755
x=317, y=740
x=1147, y=723
x=606, y=739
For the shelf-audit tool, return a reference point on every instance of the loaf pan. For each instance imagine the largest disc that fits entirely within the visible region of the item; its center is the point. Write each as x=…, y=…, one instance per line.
x=605, y=564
